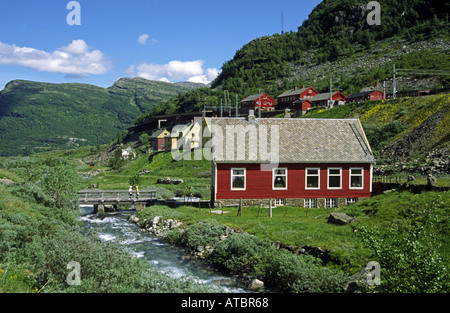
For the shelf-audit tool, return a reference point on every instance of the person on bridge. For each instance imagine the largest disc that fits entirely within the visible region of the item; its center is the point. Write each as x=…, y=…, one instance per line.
x=130, y=191
x=137, y=192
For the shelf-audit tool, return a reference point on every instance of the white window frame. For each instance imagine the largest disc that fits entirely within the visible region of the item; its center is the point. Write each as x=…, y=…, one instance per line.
x=334, y=175
x=245, y=177
x=274, y=175
x=351, y=200
x=310, y=203
x=331, y=203
x=318, y=178
x=280, y=202
x=350, y=177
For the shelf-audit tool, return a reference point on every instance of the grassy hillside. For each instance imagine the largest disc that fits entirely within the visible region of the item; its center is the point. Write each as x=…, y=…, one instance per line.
x=403, y=129
x=38, y=116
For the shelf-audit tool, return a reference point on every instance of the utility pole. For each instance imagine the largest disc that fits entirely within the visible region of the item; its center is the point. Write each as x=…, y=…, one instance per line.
x=394, y=86
x=384, y=89
x=259, y=103
x=237, y=105
x=331, y=94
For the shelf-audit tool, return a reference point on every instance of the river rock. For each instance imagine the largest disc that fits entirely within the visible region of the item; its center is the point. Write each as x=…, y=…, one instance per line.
x=250, y=282
x=134, y=219
x=339, y=219
x=154, y=222
x=256, y=284
x=431, y=181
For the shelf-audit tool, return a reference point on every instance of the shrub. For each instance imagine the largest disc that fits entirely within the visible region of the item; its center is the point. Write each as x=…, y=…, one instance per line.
x=279, y=268
x=244, y=253
x=203, y=233
x=303, y=273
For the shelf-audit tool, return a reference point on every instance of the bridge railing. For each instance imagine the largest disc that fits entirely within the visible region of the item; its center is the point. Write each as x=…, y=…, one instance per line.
x=115, y=195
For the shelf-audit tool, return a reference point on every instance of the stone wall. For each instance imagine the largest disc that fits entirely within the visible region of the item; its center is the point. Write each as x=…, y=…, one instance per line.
x=296, y=202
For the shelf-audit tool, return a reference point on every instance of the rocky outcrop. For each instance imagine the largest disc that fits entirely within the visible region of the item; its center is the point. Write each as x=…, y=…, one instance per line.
x=169, y=181
x=340, y=219
x=156, y=226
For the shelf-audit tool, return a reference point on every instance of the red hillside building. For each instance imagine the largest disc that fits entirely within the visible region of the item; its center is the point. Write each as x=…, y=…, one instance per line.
x=252, y=103
x=287, y=98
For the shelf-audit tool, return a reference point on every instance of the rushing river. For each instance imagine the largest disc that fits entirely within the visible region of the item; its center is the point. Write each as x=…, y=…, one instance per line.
x=163, y=256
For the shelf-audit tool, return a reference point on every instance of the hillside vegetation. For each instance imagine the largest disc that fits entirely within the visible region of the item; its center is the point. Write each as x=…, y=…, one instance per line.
x=335, y=42
x=409, y=130
x=40, y=234
x=38, y=116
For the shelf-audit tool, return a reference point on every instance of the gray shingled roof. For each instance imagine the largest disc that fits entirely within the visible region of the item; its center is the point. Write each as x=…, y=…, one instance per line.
x=250, y=98
x=292, y=92
x=300, y=140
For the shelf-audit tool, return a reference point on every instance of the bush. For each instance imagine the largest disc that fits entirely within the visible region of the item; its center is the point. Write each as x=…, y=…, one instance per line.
x=409, y=258
x=245, y=254
x=279, y=268
x=203, y=233
x=379, y=135
x=303, y=273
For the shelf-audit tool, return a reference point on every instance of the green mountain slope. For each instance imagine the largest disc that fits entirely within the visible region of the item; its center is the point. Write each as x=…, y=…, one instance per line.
x=414, y=132
x=38, y=116
x=336, y=41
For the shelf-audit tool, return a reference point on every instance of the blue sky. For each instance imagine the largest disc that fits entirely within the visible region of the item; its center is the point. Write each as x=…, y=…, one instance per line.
x=169, y=40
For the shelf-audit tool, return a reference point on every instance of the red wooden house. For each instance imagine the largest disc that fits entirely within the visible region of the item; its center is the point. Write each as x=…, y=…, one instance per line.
x=313, y=163
x=323, y=99
x=366, y=95
x=287, y=98
x=252, y=103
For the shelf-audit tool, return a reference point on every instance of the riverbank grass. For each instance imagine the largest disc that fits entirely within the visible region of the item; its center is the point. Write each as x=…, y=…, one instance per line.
x=299, y=226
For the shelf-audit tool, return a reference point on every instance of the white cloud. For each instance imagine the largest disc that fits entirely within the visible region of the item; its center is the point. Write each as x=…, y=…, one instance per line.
x=75, y=59
x=211, y=74
x=143, y=39
x=175, y=71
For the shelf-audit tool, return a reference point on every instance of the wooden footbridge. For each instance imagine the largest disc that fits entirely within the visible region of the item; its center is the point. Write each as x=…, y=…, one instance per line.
x=109, y=200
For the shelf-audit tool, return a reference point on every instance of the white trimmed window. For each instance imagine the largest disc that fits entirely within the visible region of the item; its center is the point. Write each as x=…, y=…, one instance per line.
x=312, y=178
x=334, y=178
x=331, y=203
x=279, y=178
x=311, y=203
x=356, y=178
x=238, y=178
x=351, y=200
x=280, y=202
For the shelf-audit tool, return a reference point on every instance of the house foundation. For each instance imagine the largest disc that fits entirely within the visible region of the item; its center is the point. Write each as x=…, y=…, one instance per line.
x=295, y=202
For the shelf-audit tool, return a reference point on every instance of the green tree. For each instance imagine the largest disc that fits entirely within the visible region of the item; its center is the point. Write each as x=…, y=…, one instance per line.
x=409, y=252
x=60, y=182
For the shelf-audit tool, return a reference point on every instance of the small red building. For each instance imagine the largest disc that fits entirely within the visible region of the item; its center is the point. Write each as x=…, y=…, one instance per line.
x=312, y=163
x=157, y=140
x=301, y=106
x=287, y=98
x=323, y=99
x=366, y=95
x=252, y=103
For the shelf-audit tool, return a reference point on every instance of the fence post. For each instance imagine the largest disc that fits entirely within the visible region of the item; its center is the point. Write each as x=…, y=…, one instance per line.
x=270, y=208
